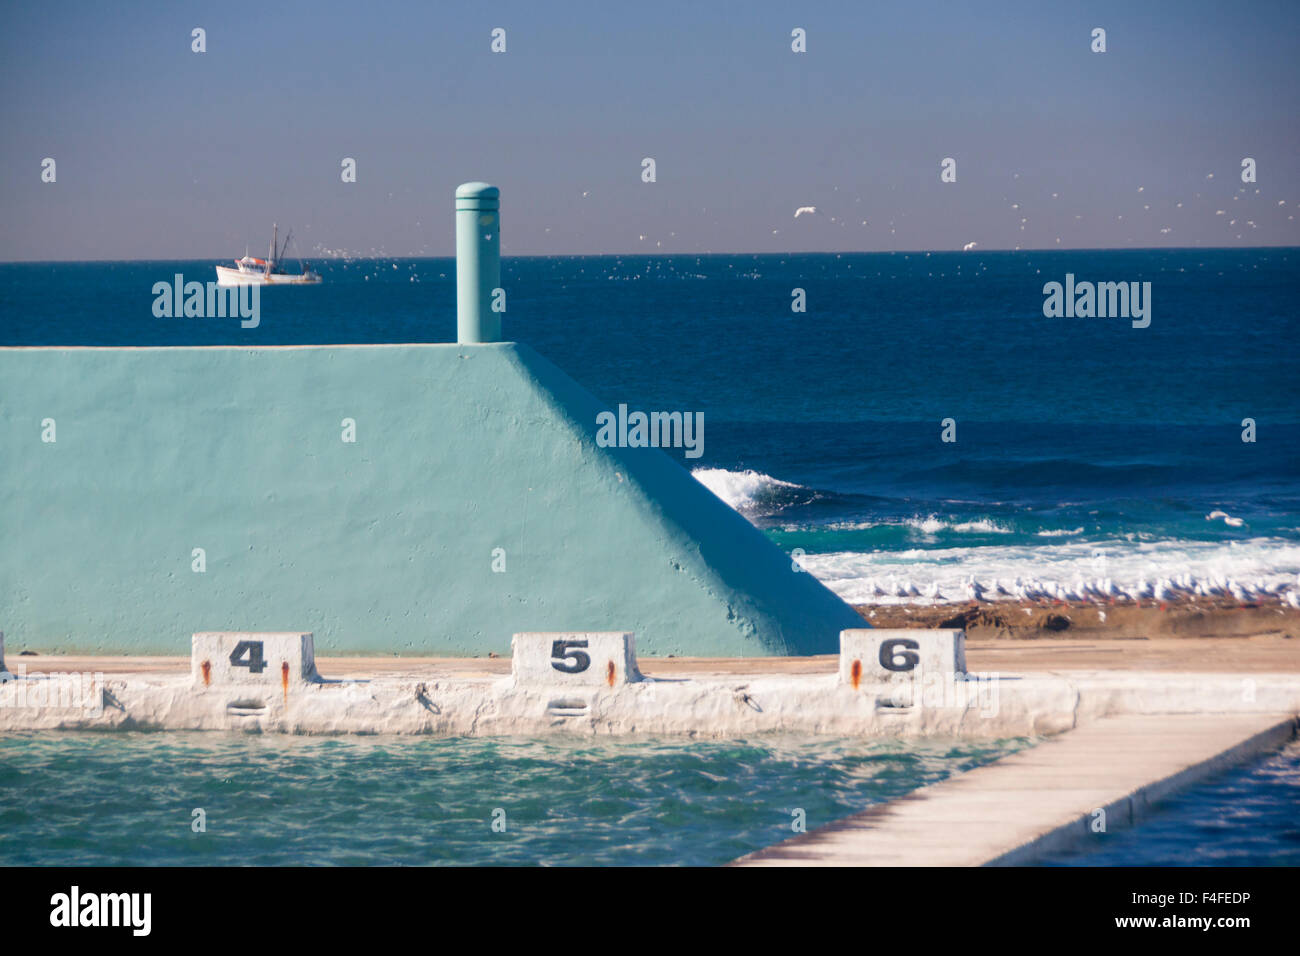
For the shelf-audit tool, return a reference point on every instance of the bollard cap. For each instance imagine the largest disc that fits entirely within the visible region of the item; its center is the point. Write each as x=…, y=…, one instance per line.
x=477, y=196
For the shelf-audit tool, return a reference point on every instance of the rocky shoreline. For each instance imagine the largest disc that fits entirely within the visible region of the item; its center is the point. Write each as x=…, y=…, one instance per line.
x=1122, y=620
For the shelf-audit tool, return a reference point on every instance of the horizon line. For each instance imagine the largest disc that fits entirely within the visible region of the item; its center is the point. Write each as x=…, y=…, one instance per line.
x=667, y=255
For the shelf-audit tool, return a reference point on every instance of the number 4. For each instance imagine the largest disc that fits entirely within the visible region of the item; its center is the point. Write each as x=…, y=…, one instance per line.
x=254, y=661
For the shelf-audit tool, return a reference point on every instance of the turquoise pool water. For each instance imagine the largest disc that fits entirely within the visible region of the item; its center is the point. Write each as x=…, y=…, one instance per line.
x=129, y=798
x=1244, y=816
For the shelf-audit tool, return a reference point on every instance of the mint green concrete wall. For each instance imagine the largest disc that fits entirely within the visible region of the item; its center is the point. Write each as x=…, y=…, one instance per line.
x=382, y=546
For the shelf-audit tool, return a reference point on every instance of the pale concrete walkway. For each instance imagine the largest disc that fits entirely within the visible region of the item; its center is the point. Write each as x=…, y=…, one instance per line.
x=1041, y=800
x=1238, y=655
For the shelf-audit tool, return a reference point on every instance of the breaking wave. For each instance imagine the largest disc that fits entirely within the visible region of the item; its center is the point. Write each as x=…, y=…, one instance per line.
x=750, y=491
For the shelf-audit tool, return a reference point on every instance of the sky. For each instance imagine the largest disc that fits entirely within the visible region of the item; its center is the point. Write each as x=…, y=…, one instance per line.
x=164, y=153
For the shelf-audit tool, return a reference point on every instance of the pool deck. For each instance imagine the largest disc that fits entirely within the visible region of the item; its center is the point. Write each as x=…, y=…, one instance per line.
x=1007, y=689
x=1238, y=655
x=1040, y=801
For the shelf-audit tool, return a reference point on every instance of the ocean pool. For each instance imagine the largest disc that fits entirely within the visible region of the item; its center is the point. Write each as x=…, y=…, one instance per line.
x=129, y=799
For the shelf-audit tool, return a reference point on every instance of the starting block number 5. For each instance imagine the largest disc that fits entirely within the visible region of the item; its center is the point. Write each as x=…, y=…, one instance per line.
x=583, y=658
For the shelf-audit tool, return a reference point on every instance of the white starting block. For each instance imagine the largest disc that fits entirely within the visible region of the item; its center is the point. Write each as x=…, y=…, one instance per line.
x=876, y=655
x=222, y=658
x=577, y=658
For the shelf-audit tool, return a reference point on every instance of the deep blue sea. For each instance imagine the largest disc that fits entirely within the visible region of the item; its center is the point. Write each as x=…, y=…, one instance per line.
x=1085, y=449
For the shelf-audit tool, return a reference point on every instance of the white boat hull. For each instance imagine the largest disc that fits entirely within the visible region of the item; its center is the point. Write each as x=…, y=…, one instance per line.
x=227, y=276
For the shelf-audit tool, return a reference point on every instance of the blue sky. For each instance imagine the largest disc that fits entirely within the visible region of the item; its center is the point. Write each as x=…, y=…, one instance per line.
x=166, y=153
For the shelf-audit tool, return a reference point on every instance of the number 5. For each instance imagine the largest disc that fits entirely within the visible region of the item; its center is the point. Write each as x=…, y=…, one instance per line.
x=566, y=658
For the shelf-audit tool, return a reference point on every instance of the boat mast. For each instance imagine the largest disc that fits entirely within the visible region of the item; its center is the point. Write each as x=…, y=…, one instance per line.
x=270, y=259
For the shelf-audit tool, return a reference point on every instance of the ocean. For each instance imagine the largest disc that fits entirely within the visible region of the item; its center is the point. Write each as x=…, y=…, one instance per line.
x=1087, y=452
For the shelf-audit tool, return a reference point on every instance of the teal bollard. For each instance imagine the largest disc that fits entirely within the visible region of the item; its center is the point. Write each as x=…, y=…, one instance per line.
x=478, y=262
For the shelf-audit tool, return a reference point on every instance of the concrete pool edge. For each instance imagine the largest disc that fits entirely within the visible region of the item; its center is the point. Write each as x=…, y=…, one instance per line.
x=1143, y=801
x=1033, y=804
x=709, y=700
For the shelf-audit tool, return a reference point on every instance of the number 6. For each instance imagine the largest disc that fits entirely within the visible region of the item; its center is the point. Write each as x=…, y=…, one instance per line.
x=892, y=659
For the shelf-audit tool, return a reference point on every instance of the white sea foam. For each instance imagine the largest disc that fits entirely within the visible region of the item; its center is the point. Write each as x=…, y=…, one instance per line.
x=1129, y=566
x=933, y=524
x=982, y=526
x=929, y=526
x=1070, y=570
x=743, y=490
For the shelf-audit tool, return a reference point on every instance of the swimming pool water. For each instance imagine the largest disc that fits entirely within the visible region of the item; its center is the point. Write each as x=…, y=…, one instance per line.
x=127, y=799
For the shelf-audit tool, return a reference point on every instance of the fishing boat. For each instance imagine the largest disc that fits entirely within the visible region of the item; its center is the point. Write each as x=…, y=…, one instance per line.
x=269, y=271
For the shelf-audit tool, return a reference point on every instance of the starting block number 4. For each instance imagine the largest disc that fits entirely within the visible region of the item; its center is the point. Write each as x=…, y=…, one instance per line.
x=234, y=657
x=589, y=658
x=879, y=654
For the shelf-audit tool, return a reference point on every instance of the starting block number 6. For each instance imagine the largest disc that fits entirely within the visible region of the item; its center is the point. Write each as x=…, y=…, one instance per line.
x=874, y=655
